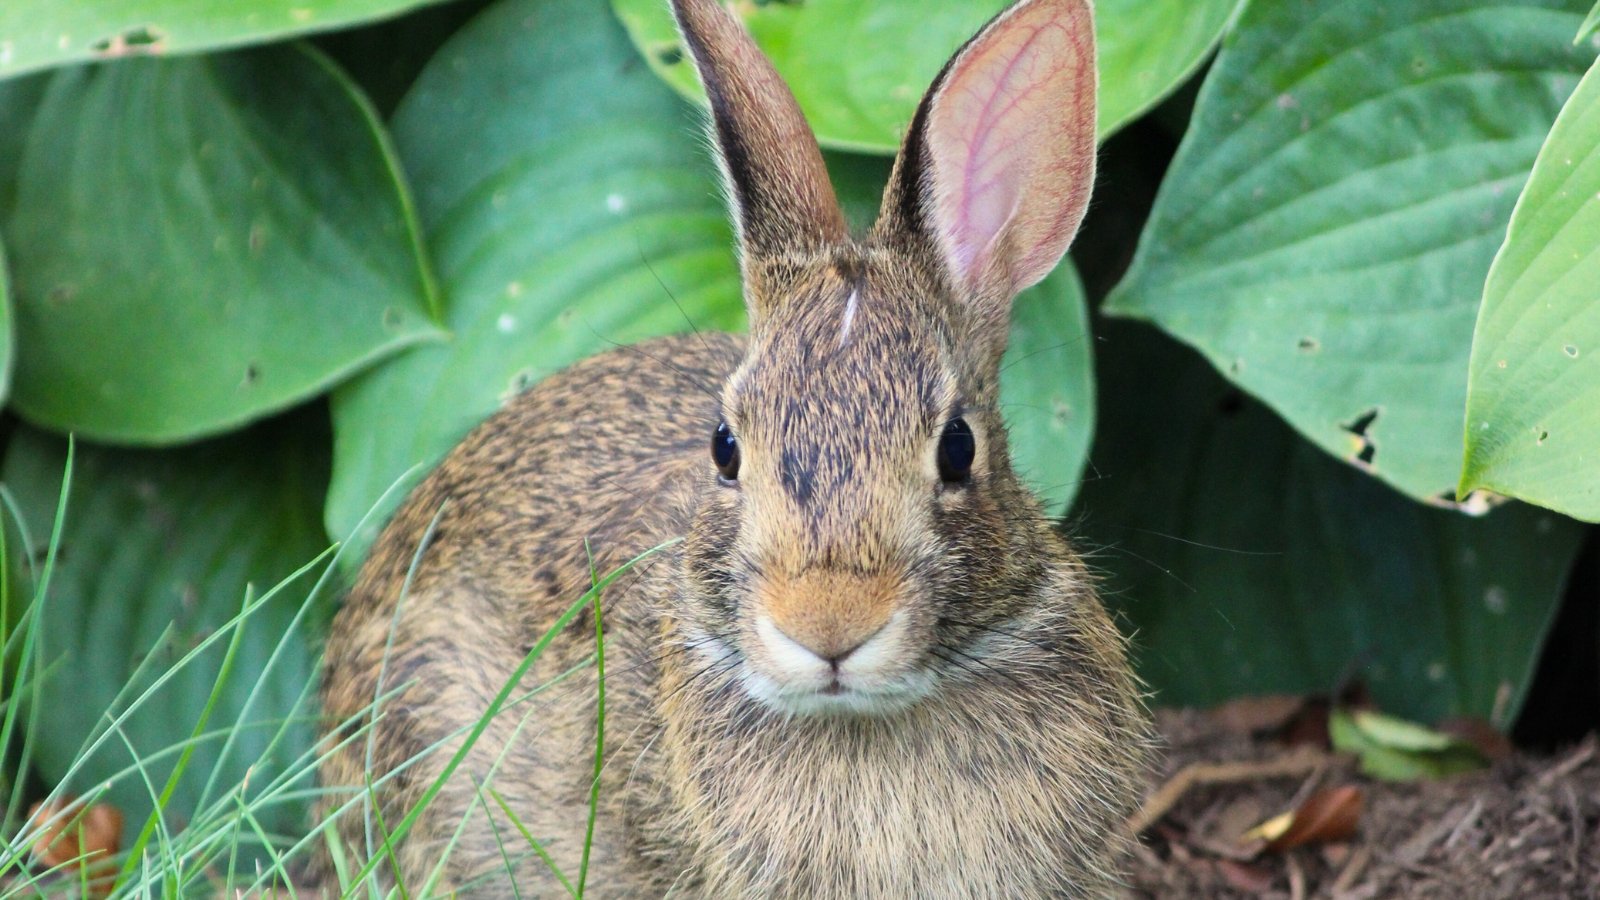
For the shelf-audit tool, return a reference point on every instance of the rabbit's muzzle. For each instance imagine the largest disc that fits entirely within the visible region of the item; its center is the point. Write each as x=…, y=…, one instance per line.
x=833, y=641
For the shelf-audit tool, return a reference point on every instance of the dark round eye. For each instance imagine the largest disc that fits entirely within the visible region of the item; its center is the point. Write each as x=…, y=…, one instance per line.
x=725, y=452
x=956, y=450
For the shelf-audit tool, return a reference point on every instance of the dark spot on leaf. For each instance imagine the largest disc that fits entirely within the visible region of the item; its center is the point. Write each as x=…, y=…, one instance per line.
x=670, y=56
x=1236, y=367
x=252, y=373
x=1309, y=345
x=258, y=237
x=60, y=294
x=1543, y=436
x=1366, y=450
x=391, y=318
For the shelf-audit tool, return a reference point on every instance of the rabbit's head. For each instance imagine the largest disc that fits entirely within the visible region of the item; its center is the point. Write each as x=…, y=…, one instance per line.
x=860, y=530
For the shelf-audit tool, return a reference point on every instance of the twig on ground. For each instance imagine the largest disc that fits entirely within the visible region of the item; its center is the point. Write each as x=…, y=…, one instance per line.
x=1352, y=871
x=1299, y=761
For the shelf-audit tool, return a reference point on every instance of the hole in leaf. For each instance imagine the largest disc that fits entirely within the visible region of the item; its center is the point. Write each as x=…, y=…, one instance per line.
x=133, y=41
x=670, y=56
x=1365, y=449
x=1570, y=350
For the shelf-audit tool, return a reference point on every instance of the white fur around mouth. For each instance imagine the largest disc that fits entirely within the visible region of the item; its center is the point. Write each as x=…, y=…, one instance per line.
x=836, y=697
x=831, y=696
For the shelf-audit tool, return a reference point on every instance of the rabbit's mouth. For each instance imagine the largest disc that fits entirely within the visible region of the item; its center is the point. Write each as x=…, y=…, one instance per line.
x=836, y=697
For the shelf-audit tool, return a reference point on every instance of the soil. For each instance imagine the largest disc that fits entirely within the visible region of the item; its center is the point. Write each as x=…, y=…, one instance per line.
x=1525, y=827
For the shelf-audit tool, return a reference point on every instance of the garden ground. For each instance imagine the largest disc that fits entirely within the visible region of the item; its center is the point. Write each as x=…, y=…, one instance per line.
x=1527, y=827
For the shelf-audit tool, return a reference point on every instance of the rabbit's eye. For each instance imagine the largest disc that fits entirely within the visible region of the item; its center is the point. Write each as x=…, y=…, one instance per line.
x=725, y=452
x=956, y=450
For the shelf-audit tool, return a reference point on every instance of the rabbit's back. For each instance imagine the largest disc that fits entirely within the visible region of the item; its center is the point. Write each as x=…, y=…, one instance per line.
x=567, y=482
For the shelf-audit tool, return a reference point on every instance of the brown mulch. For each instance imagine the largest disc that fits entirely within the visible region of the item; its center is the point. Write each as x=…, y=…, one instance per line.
x=1528, y=826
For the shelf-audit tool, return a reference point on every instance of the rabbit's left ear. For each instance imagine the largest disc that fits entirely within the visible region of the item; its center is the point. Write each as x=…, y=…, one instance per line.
x=996, y=168
x=782, y=198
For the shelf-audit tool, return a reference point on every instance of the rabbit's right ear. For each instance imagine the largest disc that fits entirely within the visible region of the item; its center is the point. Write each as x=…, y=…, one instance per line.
x=994, y=176
x=782, y=198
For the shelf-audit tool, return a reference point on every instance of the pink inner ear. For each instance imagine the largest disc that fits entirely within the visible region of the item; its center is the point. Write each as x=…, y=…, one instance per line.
x=1011, y=139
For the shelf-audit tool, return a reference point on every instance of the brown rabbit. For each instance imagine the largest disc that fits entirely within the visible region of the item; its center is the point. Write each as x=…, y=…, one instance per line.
x=871, y=667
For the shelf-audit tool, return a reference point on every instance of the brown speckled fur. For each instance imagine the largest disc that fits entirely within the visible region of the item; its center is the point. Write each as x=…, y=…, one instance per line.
x=1010, y=778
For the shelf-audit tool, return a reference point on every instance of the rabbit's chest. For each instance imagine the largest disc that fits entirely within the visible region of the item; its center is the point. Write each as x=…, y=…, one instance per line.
x=931, y=821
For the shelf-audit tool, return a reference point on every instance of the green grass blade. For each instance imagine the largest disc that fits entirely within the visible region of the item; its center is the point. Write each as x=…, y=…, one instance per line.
x=388, y=645
x=30, y=657
x=544, y=855
x=494, y=829
x=388, y=843
x=188, y=751
x=599, y=722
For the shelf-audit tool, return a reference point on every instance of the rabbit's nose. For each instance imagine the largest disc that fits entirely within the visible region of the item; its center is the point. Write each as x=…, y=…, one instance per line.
x=829, y=614
x=832, y=647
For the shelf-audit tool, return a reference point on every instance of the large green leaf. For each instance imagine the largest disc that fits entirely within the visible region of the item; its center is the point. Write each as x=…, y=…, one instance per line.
x=1047, y=387
x=1149, y=47
x=171, y=539
x=1326, y=227
x=570, y=207
x=240, y=241
x=35, y=34
x=19, y=101
x=858, y=67
x=1249, y=561
x=1533, y=395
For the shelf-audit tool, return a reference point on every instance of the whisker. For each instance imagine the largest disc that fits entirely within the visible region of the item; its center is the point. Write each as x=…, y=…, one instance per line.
x=637, y=246
x=994, y=629
x=1042, y=350
x=1200, y=544
x=1118, y=548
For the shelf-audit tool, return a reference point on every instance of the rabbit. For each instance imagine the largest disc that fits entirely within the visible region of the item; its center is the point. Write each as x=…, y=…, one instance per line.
x=861, y=661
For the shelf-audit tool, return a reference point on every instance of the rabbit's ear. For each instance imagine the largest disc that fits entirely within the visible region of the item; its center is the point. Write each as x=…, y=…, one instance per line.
x=782, y=198
x=995, y=171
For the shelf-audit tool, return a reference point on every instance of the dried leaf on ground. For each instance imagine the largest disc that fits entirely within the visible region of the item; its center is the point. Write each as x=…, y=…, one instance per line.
x=71, y=835
x=1326, y=817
